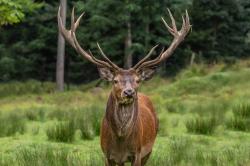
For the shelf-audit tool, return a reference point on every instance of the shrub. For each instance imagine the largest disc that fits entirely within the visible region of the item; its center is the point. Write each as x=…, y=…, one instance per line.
x=201, y=125
x=11, y=123
x=61, y=131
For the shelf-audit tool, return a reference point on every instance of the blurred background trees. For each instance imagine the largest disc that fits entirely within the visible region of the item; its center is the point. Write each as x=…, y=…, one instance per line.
x=28, y=50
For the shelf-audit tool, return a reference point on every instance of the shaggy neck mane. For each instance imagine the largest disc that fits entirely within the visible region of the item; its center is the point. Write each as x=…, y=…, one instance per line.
x=121, y=117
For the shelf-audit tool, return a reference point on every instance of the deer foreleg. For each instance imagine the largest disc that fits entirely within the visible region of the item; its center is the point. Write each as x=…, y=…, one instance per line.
x=137, y=160
x=109, y=162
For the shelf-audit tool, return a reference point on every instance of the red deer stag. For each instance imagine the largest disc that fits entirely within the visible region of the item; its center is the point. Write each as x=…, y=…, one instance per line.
x=130, y=125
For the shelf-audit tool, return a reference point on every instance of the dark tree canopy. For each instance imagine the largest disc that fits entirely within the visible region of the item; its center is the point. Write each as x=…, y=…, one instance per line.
x=28, y=50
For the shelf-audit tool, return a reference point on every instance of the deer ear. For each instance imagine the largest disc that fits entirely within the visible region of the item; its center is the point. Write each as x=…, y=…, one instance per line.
x=106, y=73
x=146, y=74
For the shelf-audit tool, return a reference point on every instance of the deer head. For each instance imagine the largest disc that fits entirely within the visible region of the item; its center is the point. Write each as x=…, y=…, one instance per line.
x=126, y=81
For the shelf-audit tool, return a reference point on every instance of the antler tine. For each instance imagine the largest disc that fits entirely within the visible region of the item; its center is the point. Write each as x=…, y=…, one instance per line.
x=78, y=20
x=70, y=36
x=173, y=20
x=167, y=26
x=86, y=55
x=105, y=57
x=95, y=59
x=146, y=57
x=187, y=19
x=74, y=26
x=183, y=23
x=73, y=19
x=65, y=33
x=151, y=62
x=178, y=38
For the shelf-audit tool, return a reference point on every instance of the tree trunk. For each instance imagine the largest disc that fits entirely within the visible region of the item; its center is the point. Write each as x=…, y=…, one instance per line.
x=128, y=59
x=61, y=51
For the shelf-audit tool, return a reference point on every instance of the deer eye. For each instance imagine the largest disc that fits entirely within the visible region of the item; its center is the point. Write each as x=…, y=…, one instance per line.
x=138, y=81
x=115, y=81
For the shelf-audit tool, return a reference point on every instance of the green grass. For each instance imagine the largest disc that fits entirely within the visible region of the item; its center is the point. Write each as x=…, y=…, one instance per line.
x=203, y=112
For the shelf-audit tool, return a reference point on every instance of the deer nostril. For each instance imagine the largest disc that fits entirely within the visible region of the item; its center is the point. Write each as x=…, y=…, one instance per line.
x=129, y=92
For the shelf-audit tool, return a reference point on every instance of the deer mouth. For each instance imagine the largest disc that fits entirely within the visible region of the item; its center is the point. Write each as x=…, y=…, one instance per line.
x=126, y=100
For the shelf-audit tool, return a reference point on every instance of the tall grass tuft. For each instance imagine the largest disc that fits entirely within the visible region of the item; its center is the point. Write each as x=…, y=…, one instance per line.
x=201, y=125
x=41, y=155
x=241, y=118
x=61, y=131
x=242, y=110
x=54, y=155
x=181, y=150
x=58, y=114
x=11, y=123
x=28, y=87
x=7, y=159
x=178, y=149
x=87, y=120
x=35, y=114
x=175, y=152
x=92, y=158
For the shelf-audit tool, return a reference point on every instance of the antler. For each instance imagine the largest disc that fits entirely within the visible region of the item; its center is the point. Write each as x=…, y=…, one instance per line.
x=70, y=37
x=178, y=38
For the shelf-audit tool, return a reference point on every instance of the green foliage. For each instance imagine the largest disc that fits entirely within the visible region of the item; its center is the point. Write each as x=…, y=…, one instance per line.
x=14, y=11
x=219, y=28
x=201, y=125
x=11, y=123
x=7, y=67
x=105, y=22
x=220, y=31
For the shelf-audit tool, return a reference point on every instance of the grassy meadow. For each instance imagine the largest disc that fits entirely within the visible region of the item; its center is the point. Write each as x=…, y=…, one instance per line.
x=204, y=115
